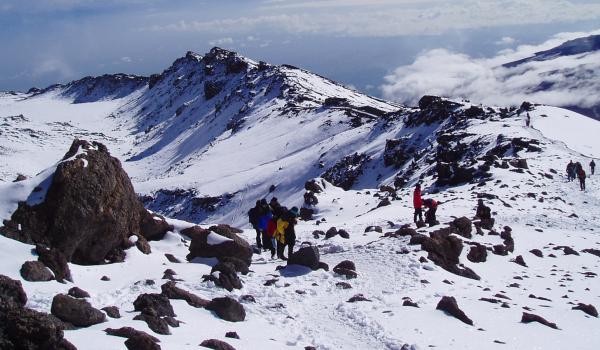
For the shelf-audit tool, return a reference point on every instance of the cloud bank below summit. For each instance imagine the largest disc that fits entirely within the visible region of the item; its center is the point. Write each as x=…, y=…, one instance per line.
x=562, y=81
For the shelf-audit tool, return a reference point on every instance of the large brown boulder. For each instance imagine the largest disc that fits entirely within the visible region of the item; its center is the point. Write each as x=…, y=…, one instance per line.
x=306, y=256
x=227, y=309
x=36, y=271
x=23, y=328
x=218, y=242
x=89, y=209
x=12, y=294
x=76, y=311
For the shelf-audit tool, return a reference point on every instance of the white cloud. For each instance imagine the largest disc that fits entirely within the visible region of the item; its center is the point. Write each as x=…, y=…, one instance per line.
x=507, y=40
x=221, y=42
x=53, y=66
x=126, y=59
x=484, y=80
x=386, y=18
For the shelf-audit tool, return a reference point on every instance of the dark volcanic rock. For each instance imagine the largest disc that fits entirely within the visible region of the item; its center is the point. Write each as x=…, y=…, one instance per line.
x=90, y=208
x=143, y=245
x=306, y=256
x=155, y=323
x=216, y=344
x=36, y=271
x=157, y=302
x=313, y=186
x=173, y=292
x=449, y=305
x=344, y=234
x=232, y=335
x=77, y=292
x=477, y=254
x=227, y=276
x=332, y=232
x=153, y=226
x=12, y=294
x=592, y=251
x=500, y=249
x=409, y=302
x=357, y=297
x=345, y=172
x=112, y=311
x=463, y=226
x=219, y=244
x=406, y=231
x=23, y=328
x=227, y=309
x=346, y=264
x=537, y=253
x=528, y=318
x=306, y=214
x=128, y=332
x=56, y=261
x=141, y=342
x=417, y=239
x=519, y=260
x=172, y=258
x=240, y=266
x=444, y=250
x=587, y=308
x=76, y=311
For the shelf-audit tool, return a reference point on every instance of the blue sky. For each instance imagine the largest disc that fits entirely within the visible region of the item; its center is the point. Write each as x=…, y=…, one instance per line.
x=356, y=42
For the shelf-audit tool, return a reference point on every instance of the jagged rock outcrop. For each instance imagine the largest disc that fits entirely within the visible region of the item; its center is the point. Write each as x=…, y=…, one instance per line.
x=444, y=250
x=347, y=171
x=449, y=305
x=89, y=210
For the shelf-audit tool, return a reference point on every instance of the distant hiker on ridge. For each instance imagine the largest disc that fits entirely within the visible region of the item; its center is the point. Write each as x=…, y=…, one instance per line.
x=571, y=171
x=528, y=120
x=418, y=204
x=592, y=166
x=254, y=216
x=581, y=175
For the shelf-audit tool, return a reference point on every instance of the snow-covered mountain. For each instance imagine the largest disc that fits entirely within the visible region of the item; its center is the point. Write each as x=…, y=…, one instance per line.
x=572, y=65
x=211, y=134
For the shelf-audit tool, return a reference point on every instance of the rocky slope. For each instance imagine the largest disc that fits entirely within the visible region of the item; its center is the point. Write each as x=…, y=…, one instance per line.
x=207, y=137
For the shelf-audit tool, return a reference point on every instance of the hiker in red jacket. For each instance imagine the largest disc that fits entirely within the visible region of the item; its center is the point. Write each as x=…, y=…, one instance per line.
x=418, y=203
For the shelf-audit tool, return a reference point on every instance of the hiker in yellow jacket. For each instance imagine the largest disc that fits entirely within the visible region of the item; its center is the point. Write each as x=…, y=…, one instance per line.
x=285, y=233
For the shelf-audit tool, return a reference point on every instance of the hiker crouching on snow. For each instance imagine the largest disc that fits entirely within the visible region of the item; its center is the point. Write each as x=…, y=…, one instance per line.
x=431, y=205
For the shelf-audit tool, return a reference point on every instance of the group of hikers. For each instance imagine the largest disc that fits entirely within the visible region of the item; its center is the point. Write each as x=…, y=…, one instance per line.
x=429, y=203
x=576, y=171
x=275, y=227
x=275, y=224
